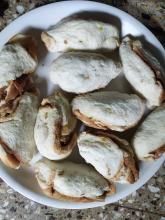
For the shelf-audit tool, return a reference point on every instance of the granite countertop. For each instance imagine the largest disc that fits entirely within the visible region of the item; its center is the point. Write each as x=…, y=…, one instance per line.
x=146, y=203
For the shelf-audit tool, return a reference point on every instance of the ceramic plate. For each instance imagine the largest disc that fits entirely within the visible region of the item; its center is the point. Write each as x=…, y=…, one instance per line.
x=40, y=19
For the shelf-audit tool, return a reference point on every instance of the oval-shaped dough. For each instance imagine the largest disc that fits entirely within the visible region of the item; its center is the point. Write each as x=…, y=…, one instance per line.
x=143, y=71
x=71, y=181
x=16, y=59
x=113, y=110
x=109, y=155
x=149, y=139
x=83, y=72
x=17, y=143
x=54, y=129
x=81, y=34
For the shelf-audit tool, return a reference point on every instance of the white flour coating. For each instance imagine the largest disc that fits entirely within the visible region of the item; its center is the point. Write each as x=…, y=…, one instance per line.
x=150, y=136
x=71, y=179
x=83, y=72
x=14, y=61
x=82, y=35
x=140, y=75
x=102, y=153
x=114, y=109
x=18, y=132
x=45, y=129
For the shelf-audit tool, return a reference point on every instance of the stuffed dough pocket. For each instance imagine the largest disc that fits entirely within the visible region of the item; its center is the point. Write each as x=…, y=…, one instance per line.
x=70, y=181
x=79, y=72
x=79, y=34
x=108, y=110
x=54, y=130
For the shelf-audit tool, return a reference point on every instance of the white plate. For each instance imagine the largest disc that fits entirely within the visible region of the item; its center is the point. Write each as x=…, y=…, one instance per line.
x=41, y=18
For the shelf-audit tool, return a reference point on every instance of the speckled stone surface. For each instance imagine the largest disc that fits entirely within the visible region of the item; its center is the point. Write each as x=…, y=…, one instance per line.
x=146, y=203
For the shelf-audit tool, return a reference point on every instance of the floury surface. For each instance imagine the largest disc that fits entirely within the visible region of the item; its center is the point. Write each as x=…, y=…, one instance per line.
x=146, y=203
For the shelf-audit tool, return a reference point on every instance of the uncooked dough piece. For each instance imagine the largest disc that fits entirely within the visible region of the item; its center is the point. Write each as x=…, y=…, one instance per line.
x=17, y=143
x=17, y=57
x=149, y=139
x=79, y=72
x=108, y=110
x=18, y=60
x=70, y=181
x=54, y=130
x=109, y=155
x=143, y=71
x=79, y=34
